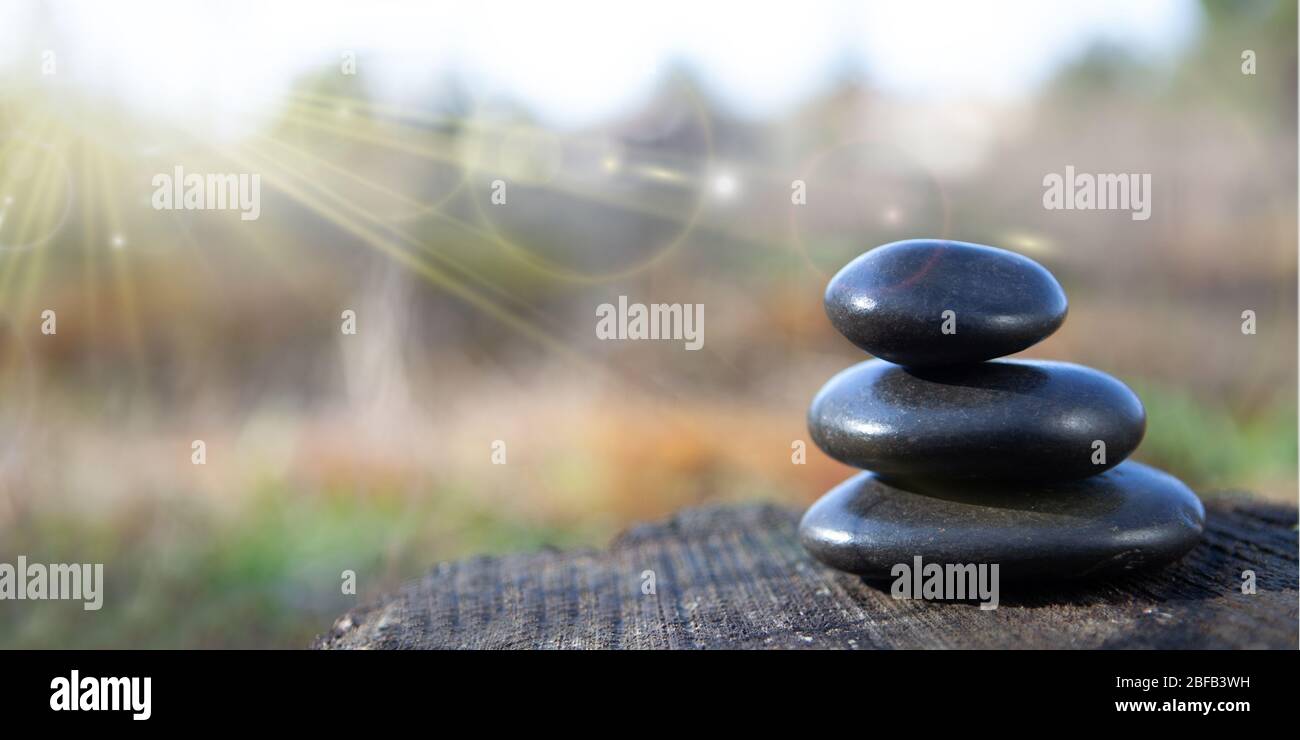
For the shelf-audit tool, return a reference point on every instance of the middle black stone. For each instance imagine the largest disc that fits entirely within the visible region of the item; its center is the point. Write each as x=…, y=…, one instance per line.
x=1001, y=420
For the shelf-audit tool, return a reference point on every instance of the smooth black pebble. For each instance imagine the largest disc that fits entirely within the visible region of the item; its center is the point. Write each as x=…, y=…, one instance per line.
x=1001, y=420
x=891, y=301
x=1128, y=518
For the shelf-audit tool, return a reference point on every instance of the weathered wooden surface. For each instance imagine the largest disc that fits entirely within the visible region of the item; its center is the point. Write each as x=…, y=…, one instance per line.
x=737, y=578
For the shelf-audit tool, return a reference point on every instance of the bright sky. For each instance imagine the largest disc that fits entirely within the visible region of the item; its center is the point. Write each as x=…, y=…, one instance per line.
x=573, y=61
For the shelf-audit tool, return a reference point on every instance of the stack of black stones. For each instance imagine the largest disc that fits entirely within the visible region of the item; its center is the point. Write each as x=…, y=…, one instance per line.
x=971, y=459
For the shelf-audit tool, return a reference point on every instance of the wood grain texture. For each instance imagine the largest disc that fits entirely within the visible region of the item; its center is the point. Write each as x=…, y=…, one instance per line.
x=737, y=577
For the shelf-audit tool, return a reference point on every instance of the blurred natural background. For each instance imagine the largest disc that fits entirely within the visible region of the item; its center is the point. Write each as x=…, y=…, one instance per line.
x=647, y=154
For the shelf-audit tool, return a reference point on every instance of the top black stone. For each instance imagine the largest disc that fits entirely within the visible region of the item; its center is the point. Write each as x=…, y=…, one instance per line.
x=892, y=302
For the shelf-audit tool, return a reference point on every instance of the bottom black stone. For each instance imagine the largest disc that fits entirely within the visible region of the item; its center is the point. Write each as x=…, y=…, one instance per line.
x=1130, y=517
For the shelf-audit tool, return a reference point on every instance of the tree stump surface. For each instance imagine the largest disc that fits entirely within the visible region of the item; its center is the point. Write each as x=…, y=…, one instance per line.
x=736, y=577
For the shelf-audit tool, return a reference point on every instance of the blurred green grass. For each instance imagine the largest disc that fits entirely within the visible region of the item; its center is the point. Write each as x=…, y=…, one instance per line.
x=1211, y=447
x=266, y=575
